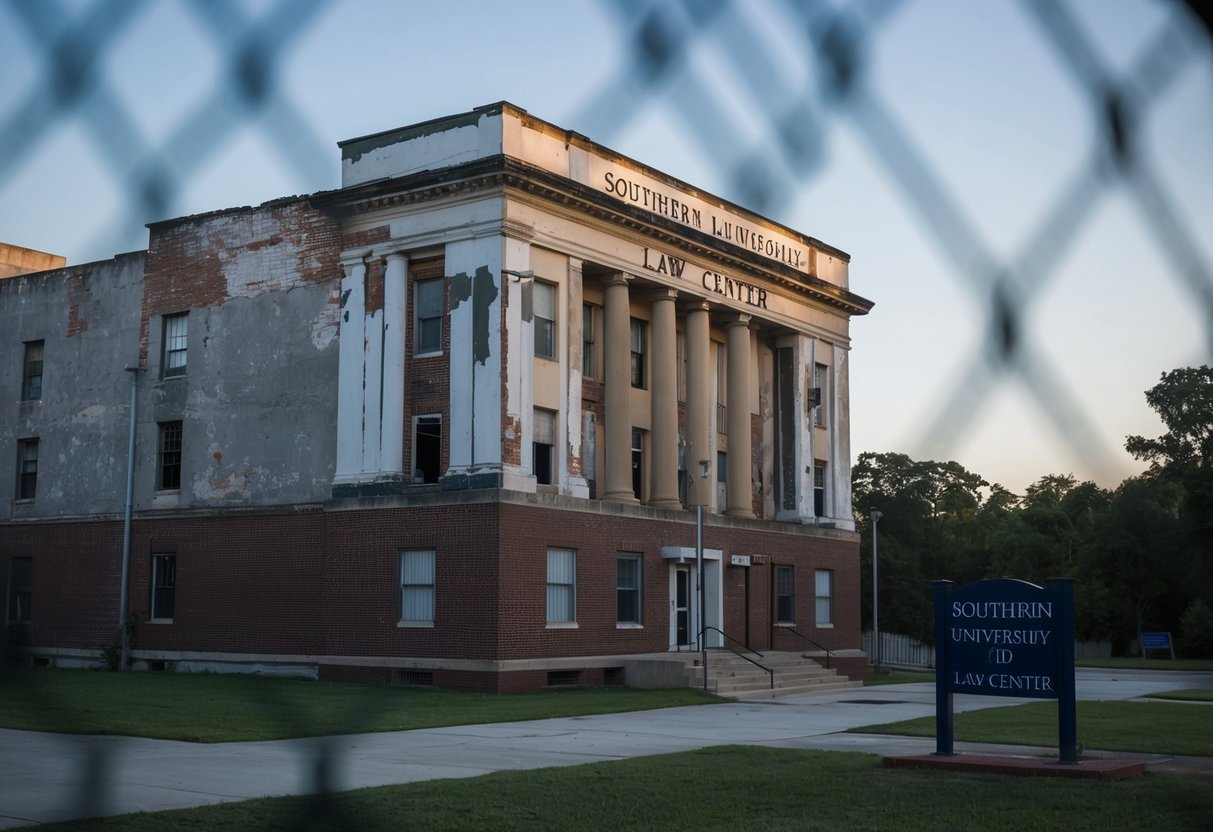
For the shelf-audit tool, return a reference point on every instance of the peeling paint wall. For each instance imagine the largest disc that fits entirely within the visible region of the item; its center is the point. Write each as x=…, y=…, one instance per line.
x=88, y=318
x=257, y=401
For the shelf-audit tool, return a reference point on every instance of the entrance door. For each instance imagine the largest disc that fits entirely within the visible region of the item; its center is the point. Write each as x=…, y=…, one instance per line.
x=682, y=606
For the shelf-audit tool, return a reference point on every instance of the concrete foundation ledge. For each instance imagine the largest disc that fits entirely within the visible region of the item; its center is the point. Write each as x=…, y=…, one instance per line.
x=1021, y=766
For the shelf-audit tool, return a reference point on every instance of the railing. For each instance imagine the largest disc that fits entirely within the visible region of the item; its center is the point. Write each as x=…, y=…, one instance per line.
x=727, y=637
x=818, y=645
x=901, y=651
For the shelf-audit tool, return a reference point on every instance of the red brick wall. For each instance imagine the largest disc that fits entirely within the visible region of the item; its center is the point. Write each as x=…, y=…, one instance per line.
x=188, y=260
x=311, y=582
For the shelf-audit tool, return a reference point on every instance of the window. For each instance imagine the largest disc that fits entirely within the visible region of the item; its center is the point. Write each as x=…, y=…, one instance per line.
x=164, y=587
x=417, y=586
x=544, y=441
x=544, y=305
x=825, y=597
x=168, y=467
x=638, y=354
x=785, y=596
x=176, y=331
x=27, y=469
x=20, y=589
x=427, y=323
x=31, y=374
x=819, y=488
x=638, y=464
x=589, y=356
x=627, y=588
x=562, y=586
x=820, y=375
x=427, y=448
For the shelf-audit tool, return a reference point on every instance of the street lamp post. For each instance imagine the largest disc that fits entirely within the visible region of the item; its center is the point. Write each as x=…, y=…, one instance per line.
x=704, y=467
x=876, y=515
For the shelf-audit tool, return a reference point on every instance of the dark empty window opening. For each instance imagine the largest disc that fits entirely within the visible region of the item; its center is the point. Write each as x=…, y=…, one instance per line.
x=427, y=449
x=415, y=678
x=564, y=678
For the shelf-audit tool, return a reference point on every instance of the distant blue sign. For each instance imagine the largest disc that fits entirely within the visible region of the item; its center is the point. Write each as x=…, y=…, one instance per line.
x=1156, y=641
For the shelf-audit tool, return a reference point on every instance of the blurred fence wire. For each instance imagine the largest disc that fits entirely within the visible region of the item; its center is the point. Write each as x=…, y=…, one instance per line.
x=657, y=37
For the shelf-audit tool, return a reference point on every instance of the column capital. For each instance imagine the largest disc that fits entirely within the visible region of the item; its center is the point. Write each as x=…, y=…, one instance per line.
x=618, y=279
x=664, y=294
x=349, y=262
x=741, y=319
x=695, y=304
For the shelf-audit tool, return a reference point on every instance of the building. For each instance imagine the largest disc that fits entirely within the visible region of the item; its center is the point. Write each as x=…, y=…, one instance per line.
x=447, y=423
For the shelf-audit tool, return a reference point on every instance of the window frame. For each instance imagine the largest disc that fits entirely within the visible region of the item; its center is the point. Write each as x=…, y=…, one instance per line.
x=32, y=370
x=821, y=376
x=168, y=459
x=819, y=488
x=544, y=327
x=174, y=345
x=27, y=468
x=561, y=588
x=827, y=598
x=784, y=577
x=589, y=344
x=421, y=346
x=423, y=586
x=163, y=584
x=634, y=592
x=639, y=340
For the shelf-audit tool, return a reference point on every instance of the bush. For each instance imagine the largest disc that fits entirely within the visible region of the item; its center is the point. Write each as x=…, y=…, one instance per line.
x=1196, y=631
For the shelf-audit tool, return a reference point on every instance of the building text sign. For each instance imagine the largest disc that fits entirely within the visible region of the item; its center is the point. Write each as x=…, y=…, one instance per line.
x=1005, y=637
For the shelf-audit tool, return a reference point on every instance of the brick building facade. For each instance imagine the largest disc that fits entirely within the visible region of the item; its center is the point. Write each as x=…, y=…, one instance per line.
x=447, y=423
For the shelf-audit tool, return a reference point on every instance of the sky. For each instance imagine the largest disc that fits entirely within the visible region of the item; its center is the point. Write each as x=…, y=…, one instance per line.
x=970, y=104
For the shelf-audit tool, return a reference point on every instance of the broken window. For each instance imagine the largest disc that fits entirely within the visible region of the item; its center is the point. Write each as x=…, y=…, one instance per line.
x=168, y=467
x=31, y=376
x=176, y=331
x=543, y=445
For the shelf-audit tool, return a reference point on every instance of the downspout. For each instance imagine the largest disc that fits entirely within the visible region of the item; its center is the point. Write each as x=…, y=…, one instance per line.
x=123, y=636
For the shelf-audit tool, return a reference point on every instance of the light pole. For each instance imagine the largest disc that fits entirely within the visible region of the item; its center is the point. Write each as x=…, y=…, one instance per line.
x=704, y=466
x=876, y=515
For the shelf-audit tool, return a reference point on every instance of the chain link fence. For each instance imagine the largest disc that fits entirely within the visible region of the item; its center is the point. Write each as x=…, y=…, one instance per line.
x=768, y=154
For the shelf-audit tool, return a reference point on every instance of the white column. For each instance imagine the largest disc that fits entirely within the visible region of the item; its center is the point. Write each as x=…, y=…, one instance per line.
x=739, y=498
x=572, y=466
x=701, y=362
x=618, y=357
x=840, y=446
x=372, y=393
x=663, y=465
x=395, y=318
x=350, y=371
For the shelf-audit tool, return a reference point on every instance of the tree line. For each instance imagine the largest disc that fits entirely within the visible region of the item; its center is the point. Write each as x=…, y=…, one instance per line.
x=1140, y=554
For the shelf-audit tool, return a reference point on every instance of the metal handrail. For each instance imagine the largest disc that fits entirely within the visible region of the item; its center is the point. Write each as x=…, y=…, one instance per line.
x=794, y=631
x=770, y=671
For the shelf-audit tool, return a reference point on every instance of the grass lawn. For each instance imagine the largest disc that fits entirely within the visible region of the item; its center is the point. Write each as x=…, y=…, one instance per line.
x=1146, y=664
x=898, y=677
x=1185, y=695
x=1154, y=727
x=722, y=788
x=229, y=708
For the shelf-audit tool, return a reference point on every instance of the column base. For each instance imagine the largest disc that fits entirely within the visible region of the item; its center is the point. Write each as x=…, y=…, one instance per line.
x=621, y=497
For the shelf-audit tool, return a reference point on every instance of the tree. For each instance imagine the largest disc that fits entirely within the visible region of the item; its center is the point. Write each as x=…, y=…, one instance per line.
x=1183, y=399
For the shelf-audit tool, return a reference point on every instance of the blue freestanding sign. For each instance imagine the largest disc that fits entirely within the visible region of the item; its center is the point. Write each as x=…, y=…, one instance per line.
x=1005, y=637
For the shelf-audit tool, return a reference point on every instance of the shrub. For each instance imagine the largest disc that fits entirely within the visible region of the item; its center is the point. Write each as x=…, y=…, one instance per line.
x=1196, y=631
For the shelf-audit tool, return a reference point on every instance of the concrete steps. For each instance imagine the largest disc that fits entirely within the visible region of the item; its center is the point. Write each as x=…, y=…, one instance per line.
x=794, y=673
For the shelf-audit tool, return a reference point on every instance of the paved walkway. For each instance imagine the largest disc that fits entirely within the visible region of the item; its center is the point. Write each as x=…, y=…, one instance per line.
x=49, y=777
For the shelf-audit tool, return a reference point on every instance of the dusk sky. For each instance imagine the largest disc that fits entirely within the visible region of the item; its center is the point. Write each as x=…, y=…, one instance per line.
x=978, y=93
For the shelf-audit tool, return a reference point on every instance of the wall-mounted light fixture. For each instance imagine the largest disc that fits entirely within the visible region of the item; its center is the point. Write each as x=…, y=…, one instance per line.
x=520, y=276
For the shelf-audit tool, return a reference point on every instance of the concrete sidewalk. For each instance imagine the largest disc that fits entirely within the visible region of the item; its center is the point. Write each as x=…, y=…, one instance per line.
x=50, y=777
